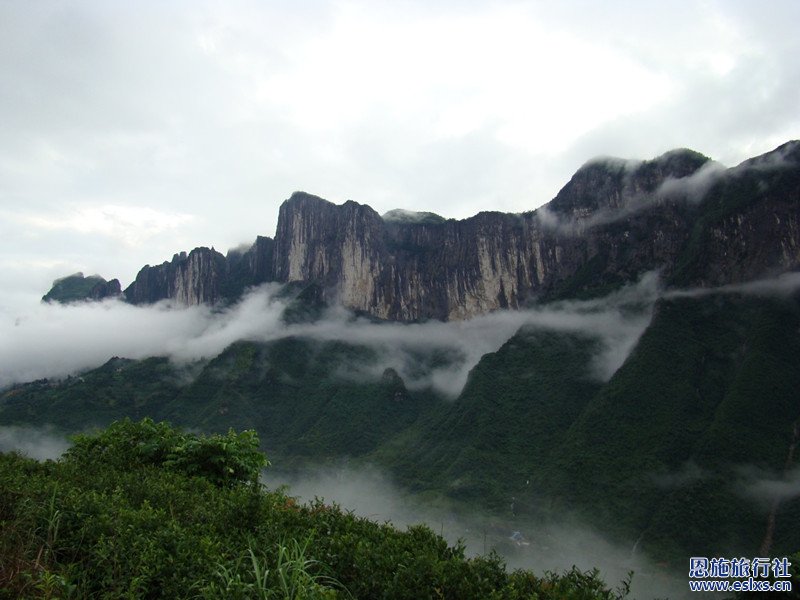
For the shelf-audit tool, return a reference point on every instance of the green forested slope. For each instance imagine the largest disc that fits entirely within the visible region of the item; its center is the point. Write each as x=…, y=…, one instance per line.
x=672, y=450
x=142, y=510
x=518, y=402
x=709, y=393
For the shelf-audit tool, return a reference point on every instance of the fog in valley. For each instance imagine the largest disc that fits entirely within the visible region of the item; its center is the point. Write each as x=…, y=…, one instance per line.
x=555, y=545
x=53, y=341
x=34, y=442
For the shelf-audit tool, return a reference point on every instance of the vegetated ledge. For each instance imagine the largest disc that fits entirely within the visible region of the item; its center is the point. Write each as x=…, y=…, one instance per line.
x=76, y=288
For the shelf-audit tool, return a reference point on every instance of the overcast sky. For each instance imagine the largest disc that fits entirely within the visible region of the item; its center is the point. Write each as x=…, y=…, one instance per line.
x=132, y=130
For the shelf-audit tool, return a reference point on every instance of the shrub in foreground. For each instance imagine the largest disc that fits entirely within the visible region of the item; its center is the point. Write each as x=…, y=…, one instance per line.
x=144, y=510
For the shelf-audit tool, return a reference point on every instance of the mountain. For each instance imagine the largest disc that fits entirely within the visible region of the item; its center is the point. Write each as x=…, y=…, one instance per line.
x=667, y=417
x=677, y=449
x=204, y=275
x=685, y=447
x=75, y=288
x=699, y=223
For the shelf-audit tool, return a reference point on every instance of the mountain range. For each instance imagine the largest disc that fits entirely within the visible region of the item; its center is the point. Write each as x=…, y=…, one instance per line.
x=648, y=385
x=681, y=213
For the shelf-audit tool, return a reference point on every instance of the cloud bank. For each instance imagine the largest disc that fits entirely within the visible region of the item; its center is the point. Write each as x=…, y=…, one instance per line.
x=51, y=340
x=183, y=117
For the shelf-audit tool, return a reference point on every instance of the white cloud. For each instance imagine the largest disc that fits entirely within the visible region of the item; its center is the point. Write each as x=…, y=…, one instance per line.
x=768, y=488
x=785, y=284
x=51, y=340
x=133, y=225
x=456, y=74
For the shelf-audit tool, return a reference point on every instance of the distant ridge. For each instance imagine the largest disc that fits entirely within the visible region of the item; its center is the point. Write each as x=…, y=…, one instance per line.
x=695, y=221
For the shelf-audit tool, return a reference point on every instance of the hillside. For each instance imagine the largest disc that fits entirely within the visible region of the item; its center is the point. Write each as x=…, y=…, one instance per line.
x=703, y=409
x=142, y=510
x=626, y=356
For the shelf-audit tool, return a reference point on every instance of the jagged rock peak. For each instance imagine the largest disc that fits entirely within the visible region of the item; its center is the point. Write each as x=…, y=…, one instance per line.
x=608, y=182
x=299, y=197
x=338, y=246
x=785, y=155
x=304, y=202
x=194, y=278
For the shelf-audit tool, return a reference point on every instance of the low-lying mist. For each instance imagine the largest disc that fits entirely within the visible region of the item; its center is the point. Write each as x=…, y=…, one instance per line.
x=52, y=340
x=41, y=443
x=555, y=545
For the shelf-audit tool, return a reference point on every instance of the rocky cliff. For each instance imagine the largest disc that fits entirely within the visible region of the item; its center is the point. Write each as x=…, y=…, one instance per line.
x=204, y=275
x=680, y=213
x=188, y=279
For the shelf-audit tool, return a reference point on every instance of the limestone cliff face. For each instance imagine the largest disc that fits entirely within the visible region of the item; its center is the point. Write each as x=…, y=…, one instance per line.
x=195, y=278
x=696, y=222
x=458, y=269
x=340, y=247
x=259, y=265
x=204, y=275
x=406, y=270
x=409, y=270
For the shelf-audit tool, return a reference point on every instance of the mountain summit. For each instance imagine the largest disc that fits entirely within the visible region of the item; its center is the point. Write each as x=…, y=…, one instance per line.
x=667, y=419
x=681, y=213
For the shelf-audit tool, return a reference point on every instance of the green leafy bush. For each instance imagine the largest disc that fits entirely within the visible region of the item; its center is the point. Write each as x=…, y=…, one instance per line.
x=222, y=459
x=143, y=510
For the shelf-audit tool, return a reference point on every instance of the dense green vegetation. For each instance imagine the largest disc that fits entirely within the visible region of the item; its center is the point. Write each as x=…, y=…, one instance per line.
x=73, y=288
x=710, y=390
x=664, y=453
x=249, y=385
x=517, y=404
x=142, y=510
x=704, y=408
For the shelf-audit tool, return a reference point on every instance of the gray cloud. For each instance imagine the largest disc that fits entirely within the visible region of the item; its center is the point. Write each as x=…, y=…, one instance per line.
x=219, y=112
x=693, y=187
